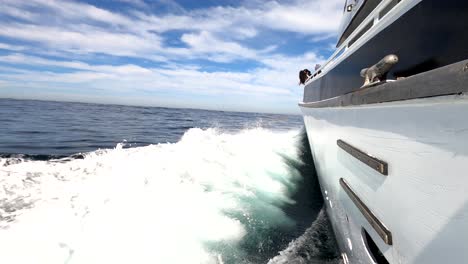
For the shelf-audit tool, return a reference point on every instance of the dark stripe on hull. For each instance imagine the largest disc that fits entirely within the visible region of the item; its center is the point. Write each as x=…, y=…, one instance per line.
x=378, y=226
x=432, y=34
x=374, y=163
x=452, y=79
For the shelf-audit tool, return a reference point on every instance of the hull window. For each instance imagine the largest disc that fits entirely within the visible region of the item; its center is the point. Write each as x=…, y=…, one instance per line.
x=362, y=32
x=372, y=249
x=389, y=7
x=364, y=11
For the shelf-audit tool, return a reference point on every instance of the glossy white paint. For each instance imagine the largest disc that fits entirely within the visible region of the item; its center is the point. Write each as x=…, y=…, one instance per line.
x=424, y=199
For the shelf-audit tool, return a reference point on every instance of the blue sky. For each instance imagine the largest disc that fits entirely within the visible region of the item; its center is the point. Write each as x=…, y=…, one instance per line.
x=223, y=55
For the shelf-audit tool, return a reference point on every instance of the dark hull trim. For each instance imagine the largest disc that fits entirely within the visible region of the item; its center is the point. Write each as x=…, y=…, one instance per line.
x=374, y=163
x=430, y=35
x=378, y=226
x=448, y=80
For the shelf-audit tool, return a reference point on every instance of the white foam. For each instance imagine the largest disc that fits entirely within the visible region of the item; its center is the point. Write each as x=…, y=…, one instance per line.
x=156, y=204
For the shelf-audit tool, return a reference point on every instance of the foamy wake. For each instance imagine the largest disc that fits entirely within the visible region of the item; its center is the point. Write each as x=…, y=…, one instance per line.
x=315, y=246
x=165, y=203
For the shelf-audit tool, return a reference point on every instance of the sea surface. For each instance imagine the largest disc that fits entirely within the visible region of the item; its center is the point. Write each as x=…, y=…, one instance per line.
x=92, y=183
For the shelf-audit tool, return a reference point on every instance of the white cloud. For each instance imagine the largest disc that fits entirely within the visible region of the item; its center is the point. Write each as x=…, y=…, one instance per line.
x=62, y=11
x=138, y=3
x=11, y=47
x=205, y=42
x=307, y=17
x=33, y=60
x=83, y=40
x=131, y=77
x=75, y=27
x=17, y=12
x=323, y=37
x=219, y=34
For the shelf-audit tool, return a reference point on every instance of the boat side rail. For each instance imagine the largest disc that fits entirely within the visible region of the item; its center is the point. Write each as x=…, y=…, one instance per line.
x=382, y=16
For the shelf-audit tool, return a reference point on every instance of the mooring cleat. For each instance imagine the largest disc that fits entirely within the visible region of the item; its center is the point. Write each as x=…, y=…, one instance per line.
x=378, y=72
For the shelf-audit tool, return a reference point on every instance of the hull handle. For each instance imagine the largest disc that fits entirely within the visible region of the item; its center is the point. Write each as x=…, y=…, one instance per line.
x=376, y=164
x=378, y=226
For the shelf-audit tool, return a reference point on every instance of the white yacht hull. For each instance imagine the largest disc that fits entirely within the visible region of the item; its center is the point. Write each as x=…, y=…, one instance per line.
x=423, y=201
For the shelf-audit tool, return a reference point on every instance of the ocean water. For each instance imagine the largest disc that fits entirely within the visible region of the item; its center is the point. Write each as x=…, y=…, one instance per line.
x=89, y=183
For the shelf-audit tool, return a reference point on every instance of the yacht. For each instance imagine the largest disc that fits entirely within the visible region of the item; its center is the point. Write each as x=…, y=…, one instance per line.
x=387, y=121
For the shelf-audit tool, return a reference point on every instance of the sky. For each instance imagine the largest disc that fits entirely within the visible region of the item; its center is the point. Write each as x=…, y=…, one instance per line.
x=211, y=54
